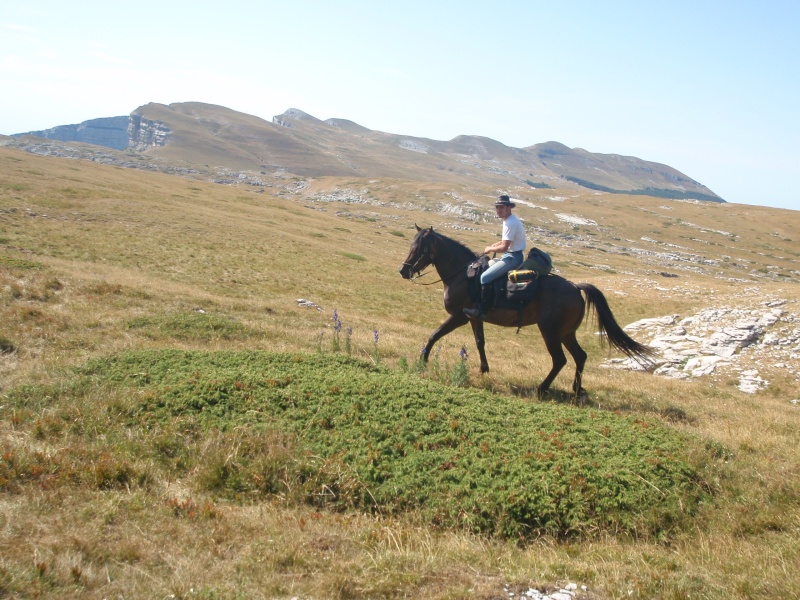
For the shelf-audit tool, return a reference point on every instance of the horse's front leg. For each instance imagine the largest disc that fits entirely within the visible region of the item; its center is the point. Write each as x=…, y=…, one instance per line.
x=450, y=323
x=480, y=342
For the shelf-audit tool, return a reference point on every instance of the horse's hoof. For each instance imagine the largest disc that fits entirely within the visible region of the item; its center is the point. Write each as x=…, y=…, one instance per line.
x=484, y=368
x=582, y=398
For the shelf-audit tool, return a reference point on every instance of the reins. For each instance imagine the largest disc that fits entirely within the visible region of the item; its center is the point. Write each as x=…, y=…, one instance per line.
x=428, y=253
x=420, y=274
x=430, y=282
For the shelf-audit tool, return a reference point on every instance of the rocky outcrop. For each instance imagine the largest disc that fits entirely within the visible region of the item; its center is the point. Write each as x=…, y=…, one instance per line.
x=735, y=338
x=144, y=133
x=111, y=132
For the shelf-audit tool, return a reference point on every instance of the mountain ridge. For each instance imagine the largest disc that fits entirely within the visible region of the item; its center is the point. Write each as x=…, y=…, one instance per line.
x=299, y=143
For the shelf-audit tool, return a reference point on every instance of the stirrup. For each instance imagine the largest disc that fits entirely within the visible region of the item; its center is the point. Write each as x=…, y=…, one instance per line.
x=476, y=312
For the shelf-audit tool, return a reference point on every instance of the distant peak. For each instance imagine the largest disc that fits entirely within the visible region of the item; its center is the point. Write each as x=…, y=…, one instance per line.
x=552, y=148
x=297, y=114
x=294, y=114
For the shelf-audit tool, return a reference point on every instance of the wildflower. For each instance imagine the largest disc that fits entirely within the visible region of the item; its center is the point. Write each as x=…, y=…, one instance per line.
x=460, y=374
x=337, y=327
x=375, y=347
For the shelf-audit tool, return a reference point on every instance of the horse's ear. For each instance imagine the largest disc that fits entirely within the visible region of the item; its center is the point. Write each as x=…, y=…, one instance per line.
x=417, y=226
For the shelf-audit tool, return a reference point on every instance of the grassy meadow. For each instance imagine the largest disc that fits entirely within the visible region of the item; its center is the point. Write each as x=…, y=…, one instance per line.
x=174, y=423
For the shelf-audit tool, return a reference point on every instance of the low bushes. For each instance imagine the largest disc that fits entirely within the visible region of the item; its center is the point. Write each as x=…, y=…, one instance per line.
x=342, y=433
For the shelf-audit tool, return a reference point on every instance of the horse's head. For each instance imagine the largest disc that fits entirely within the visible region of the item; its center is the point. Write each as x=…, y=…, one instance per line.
x=421, y=254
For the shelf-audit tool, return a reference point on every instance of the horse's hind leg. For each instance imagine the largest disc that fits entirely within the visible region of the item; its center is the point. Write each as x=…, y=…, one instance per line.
x=579, y=356
x=553, y=343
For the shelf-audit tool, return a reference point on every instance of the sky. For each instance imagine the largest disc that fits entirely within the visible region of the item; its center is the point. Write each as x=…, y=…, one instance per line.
x=708, y=87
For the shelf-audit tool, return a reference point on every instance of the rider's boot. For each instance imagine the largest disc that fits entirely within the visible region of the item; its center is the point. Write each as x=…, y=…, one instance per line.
x=482, y=307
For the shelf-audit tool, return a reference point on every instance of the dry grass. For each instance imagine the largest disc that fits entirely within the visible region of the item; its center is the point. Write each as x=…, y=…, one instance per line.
x=86, y=249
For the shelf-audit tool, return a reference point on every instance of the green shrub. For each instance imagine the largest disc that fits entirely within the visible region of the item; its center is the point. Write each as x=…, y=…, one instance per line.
x=354, y=434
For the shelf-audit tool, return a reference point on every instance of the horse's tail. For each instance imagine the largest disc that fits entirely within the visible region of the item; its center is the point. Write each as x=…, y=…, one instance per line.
x=610, y=329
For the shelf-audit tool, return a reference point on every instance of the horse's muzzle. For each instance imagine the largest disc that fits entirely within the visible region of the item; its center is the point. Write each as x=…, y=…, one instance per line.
x=405, y=271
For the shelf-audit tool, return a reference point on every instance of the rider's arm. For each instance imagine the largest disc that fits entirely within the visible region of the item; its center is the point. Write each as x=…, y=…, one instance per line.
x=500, y=246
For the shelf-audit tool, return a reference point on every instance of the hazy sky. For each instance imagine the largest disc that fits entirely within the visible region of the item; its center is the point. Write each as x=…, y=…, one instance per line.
x=711, y=88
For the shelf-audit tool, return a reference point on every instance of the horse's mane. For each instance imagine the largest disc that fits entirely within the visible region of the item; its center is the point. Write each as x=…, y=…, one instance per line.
x=456, y=246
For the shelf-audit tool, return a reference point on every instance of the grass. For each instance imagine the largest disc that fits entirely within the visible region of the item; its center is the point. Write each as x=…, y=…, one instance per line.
x=191, y=326
x=133, y=465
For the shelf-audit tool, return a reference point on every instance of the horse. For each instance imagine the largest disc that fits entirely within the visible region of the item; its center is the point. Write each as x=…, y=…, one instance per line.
x=558, y=309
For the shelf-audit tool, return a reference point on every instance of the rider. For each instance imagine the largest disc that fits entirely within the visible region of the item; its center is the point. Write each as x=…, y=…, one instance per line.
x=511, y=244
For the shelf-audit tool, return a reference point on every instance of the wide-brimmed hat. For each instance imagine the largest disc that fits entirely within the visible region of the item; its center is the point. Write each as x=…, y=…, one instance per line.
x=504, y=201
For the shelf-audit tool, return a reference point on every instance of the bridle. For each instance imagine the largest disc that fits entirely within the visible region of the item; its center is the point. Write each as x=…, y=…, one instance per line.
x=426, y=252
x=414, y=268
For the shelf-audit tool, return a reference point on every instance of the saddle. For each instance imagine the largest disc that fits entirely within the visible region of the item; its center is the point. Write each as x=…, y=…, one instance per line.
x=519, y=288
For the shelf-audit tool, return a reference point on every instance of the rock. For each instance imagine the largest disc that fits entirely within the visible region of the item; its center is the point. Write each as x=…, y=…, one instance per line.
x=701, y=365
x=307, y=304
x=671, y=371
x=145, y=133
x=750, y=382
x=697, y=345
x=645, y=323
x=774, y=303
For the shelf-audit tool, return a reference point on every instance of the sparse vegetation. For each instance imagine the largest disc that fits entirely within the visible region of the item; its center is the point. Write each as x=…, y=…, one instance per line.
x=648, y=191
x=539, y=185
x=192, y=326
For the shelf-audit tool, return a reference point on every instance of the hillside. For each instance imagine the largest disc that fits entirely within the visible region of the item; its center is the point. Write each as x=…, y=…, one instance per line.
x=194, y=134
x=142, y=315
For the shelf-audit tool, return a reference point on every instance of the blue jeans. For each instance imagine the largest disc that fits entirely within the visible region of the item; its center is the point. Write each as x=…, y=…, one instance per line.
x=509, y=261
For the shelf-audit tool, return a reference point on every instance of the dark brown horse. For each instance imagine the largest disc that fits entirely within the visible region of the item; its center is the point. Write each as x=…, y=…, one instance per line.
x=558, y=309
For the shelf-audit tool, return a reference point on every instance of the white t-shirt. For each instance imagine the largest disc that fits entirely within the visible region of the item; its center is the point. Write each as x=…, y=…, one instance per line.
x=514, y=231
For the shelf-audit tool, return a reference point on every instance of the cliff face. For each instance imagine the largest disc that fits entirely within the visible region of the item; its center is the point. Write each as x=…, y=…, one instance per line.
x=143, y=133
x=111, y=132
x=118, y=133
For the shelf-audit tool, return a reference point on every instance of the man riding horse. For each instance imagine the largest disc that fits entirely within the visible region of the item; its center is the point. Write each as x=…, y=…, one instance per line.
x=557, y=310
x=511, y=244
